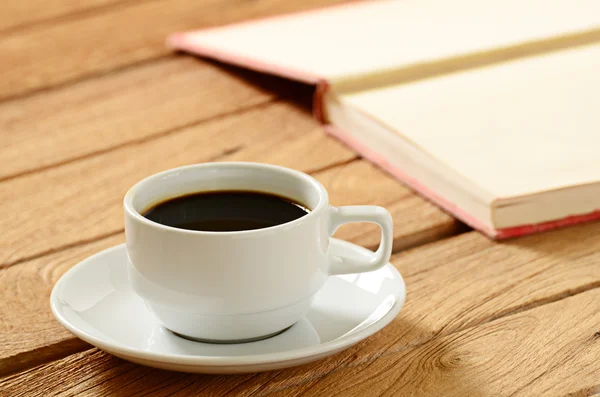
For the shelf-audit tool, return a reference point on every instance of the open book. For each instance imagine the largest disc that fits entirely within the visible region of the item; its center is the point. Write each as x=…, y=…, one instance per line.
x=491, y=109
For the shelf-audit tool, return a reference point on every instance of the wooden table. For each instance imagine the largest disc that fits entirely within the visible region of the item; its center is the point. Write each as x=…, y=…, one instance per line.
x=92, y=101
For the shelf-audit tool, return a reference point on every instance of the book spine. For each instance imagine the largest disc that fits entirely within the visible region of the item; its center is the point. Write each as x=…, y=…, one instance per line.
x=546, y=226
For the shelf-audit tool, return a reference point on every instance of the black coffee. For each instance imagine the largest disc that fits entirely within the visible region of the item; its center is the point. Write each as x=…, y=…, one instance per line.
x=225, y=211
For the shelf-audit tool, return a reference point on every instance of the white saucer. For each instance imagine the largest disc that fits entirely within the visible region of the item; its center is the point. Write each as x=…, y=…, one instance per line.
x=94, y=301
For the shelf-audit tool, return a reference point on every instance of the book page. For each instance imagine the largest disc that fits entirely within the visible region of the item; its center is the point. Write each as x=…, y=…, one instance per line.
x=347, y=42
x=514, y=129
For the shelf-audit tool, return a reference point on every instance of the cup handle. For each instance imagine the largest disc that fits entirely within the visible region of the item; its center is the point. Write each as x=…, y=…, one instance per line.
x=362, y=213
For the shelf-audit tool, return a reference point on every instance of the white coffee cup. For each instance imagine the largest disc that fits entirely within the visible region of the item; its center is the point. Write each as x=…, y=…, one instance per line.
x=243, y=285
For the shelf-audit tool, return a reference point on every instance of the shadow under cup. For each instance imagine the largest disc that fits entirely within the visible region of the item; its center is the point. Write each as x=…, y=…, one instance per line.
x=228, y=287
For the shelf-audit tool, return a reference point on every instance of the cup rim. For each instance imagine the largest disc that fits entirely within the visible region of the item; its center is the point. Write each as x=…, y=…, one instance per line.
x=322, y=192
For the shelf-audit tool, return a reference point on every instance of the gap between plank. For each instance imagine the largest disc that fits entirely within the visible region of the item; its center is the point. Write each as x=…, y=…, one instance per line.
x=30, y=359
x=541, y=302
x=70, y=16
x=61, y=248
x=423, y=238
x=590, y=391
x=334, y=165
x=86, y=77
x=144, y=139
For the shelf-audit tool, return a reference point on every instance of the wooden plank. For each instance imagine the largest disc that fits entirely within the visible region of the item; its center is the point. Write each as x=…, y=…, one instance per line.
x=538, y=352
x=550, y=350
x=18, y=14
x=83, y=374
x=455, y=285
x=29, y=334
x=50, y=55
x=81, y=201
x=96, y=115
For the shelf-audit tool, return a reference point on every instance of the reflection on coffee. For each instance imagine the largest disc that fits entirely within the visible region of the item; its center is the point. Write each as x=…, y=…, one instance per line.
x=225, y=211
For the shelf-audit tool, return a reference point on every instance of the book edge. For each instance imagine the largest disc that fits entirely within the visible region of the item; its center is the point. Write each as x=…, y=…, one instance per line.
x=430, y=195
x=570, y=220
x=178, y=41
x=285, y=15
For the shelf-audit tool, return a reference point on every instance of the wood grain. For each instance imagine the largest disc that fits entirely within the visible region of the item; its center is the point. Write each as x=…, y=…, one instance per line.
x=92, y=374
x=552, y=350
x=17, y=14
x=97, y=115
x=470, y=304
x=54, y=54
x=29, y=333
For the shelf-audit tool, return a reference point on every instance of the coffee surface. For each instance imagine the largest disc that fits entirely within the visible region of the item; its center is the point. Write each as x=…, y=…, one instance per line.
x=225, y=211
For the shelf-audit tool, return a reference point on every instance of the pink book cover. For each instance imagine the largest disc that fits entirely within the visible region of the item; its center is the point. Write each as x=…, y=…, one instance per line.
x=191, y=42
